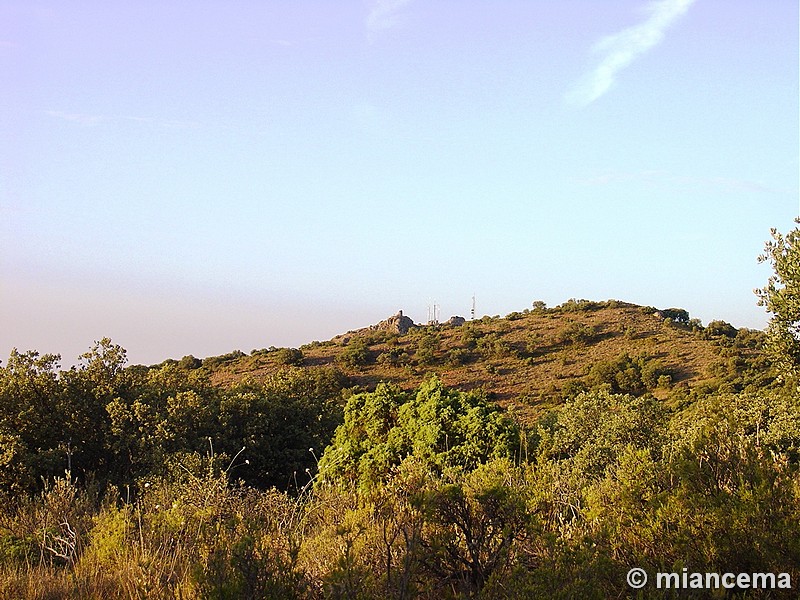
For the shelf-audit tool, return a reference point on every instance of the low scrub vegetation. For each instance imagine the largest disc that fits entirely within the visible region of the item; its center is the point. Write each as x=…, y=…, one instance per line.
x=435, y=494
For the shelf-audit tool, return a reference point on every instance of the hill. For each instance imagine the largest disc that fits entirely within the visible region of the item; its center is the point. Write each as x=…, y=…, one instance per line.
x=531, y=359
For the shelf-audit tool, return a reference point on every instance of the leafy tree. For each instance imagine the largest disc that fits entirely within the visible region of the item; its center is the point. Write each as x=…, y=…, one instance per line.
x=190, y=362
x=579, y=305
x=427, y=348
x=394, y=356
x=51, y=420
x=591, y=430
x=443, y=427
x=32, y=441
x=781, y=297
x=282, y=423
x=146, y=424
x=676, y=315
x=99, y=378
x=215, y=362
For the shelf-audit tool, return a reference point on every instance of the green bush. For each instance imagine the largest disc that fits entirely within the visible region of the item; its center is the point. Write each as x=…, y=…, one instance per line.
x=577, y=334
x=457, y=357
x=355, y=354
x=428, y=348
x=394, y=357
x=443, y=427
x=626, y=375
x=190, y=362
x=676, y=315
x=579, y=305
x=215, y=362
x=716, y=329
x=289, y=356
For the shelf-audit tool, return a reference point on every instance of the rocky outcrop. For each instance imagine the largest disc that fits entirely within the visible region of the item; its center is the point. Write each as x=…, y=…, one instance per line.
x=456, y=321
x=398, y=323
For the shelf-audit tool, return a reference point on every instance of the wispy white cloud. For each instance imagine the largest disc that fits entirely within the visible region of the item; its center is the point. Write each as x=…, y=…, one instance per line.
x=90, y=120
x=621, y=49
x=79, y=118
x=383, y=15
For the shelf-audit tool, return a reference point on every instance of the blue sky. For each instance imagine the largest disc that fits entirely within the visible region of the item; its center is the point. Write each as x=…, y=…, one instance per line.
x=198, y=178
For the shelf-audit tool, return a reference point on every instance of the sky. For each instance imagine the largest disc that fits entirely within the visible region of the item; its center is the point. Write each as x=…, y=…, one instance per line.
x=200, y=177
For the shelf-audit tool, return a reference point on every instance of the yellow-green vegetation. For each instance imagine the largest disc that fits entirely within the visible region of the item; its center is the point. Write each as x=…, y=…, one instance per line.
x=541, y=455
x=535, y=358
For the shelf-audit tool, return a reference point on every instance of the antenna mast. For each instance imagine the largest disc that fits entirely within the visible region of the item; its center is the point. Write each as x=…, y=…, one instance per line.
x=433, y=313
x=472, y=312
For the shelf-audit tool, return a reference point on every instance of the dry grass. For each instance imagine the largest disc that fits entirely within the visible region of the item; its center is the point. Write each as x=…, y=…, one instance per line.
x=528, y=365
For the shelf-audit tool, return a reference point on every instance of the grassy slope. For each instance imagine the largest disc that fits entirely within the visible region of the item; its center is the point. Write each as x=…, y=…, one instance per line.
x=523, y=359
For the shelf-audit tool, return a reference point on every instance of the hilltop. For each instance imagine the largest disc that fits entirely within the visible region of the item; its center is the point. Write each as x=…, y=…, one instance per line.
x=531, y=359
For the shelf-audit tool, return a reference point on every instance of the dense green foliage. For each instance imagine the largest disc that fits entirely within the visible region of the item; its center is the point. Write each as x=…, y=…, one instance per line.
x=781, y=297
x=440, y=427
x=116, y=425
x=626, y=375
x=611, y=481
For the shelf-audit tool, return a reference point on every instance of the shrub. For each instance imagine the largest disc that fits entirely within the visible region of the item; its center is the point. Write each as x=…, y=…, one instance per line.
x=494, y=346
x=289, y=356
x=572, y=388
x=214, y=362
x=427, y=348
x=579, y=305
x=189, y=362
x=394, y=357
x=355, y=353
x=457, y=357
x=577, y=333
x=720, y=329
x=470, y=336
x=626, y=375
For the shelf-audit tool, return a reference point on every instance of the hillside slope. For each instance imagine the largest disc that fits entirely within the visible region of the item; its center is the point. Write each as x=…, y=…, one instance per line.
x=535, y=358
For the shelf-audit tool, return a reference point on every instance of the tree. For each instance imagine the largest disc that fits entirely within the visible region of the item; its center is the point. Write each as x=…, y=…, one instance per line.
x=719, y=328
x=781, y=297
x=440, y=426
x=677, y=315
x=32, y=440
